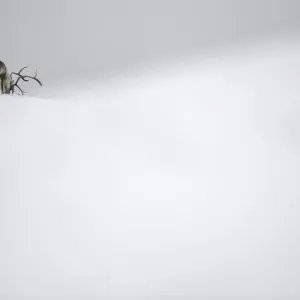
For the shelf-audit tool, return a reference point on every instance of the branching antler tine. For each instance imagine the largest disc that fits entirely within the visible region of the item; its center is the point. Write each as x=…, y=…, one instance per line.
x=35, y=77
x=38, y=81
x=23, y=69
x=20, y=89
x=25, y=78
x=20, y=76
x=15, y=84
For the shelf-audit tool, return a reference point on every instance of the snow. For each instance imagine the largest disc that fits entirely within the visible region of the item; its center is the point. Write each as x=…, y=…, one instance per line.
x=178, y=181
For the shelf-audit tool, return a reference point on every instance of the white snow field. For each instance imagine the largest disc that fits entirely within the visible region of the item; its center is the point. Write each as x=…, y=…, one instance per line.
x=176, y=181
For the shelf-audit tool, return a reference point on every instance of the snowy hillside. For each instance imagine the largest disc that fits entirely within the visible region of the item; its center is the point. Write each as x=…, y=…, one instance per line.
x=175, y=183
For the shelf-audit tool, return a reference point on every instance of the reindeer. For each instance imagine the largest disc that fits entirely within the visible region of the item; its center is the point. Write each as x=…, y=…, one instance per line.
x=8, y=85
x=5, y=79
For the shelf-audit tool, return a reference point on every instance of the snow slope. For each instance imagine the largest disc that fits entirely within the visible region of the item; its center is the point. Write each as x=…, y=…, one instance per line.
x=176, y=182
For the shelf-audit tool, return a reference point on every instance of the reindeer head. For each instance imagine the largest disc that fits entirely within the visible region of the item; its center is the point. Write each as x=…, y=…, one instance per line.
x=8, y=85
x=3, y=69
x=5, y=79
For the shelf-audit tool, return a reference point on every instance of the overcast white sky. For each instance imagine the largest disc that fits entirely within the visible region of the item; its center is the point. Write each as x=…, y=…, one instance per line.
x=66, y=37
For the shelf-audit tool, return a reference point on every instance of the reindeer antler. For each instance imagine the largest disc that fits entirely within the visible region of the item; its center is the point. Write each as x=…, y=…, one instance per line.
x=25, y=78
